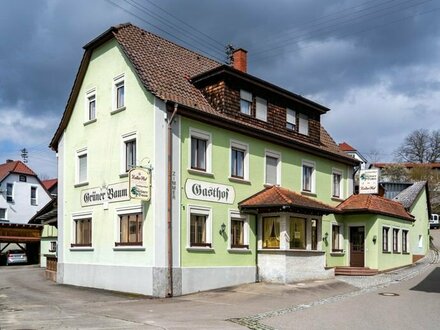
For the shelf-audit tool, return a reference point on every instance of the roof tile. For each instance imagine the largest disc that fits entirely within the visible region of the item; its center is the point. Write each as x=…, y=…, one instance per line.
x=14, y=167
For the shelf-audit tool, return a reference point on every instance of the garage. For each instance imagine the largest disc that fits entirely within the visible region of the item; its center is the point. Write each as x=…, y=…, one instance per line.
x=25, y=237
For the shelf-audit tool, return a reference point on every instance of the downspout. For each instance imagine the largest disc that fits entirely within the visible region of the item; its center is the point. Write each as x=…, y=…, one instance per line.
x=169, y=216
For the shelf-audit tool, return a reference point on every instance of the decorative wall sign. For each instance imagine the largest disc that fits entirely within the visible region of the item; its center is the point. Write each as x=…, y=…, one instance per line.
x=116, y=192
x=211, y=192
x=369, y=181
x=140, y=183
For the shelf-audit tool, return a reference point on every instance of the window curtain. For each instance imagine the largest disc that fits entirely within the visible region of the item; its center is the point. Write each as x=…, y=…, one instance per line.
x=271, y=233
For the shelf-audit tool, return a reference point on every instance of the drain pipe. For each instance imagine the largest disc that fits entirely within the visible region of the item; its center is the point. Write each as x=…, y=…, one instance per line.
x=169, y=216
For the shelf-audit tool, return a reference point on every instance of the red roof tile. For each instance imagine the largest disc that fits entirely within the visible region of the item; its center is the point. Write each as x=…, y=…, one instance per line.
x=15, y=166
x=346, y=147
x=278, y=197
x=48, y=184
x=364, y=203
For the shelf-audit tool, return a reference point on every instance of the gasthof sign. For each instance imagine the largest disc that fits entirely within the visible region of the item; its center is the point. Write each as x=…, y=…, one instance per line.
x=369, y=181
x=140, y=183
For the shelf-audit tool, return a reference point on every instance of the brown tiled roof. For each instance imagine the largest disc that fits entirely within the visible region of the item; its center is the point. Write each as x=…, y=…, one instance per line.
x=14, y=167
x=406, y=165
x=48, y=184
x=165, y=70
x=279, y=197
x=364, y=203
x=344, y=146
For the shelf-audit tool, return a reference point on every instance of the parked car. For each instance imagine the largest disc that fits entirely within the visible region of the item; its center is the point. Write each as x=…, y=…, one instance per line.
x=434, y=222
x=14, y=257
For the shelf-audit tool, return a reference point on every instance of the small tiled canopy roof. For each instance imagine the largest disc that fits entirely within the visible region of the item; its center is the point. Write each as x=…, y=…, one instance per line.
x=15, y=166
x=375, y=205
x=278, y=199
x=48, y=184
x=346, y=147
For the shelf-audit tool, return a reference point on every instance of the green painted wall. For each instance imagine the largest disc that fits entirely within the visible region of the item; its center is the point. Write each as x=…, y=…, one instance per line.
x=421, y=226
x=48, y=235
x=103, y=140
x=290, y=178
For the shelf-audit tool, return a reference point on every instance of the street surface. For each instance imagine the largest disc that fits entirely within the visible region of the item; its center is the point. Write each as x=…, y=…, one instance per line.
x=404, y=299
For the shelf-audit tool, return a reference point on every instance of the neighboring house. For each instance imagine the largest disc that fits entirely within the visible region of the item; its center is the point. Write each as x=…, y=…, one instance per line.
x=409, y=169
x=243, y=175
x=51, y=186
x=21, y=193
x=352, y=152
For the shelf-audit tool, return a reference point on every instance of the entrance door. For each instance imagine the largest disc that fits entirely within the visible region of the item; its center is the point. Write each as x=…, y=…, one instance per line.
x=357, y=246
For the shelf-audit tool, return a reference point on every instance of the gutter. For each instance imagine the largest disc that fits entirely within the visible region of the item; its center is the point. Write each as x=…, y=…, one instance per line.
x=169, y=215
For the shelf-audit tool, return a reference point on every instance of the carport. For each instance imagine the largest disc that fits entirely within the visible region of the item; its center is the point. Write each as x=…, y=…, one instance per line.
x=19, y=234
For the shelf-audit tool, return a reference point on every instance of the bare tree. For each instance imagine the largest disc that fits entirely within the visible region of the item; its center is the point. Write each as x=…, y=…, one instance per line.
x=420, y=146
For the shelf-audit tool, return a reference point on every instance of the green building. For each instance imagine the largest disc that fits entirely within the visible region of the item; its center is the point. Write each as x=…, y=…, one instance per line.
x=244, y=178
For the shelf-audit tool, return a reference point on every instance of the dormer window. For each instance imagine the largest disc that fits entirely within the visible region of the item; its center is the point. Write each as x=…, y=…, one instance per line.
x=245, y=102
x=290, y=119
x=303, y=124
x=261, y=108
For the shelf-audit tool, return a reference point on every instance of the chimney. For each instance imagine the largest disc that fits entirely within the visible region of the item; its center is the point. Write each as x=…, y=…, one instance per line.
x=9, y=160
x=239, y=57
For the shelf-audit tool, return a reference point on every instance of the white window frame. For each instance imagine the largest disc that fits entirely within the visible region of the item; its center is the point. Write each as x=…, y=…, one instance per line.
x=406, y=241
x=116, y=81
x=131, y=136
x=273, y=154
x=11, y=196
x=79, y=216
x=199, y=134
x=340, y=237
x=399, y=238
x=312, y=164
x=79, y=153
x=303, y=124
x=420, y=241
x=235, y=214
x=293, y=113
x=90, y=93
x=244, y=147
x=124, y=211
x=388, y=239
x=36, y=196
x=199, y=210
x=246, y=96
x=6, y=213
x=341, y=185
x=261, y=108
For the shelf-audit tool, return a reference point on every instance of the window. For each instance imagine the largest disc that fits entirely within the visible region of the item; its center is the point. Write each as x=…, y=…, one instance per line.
x=261, y=108
x=385, y=240
x=120, y=94
x=314, y=238
x=33, y=195
x=130, y=155
x=200, y=227
x=82, y=166
x=420, y=245
x=271, y=233
x=308, y=180
x=237, y=163
x=290, y=119
x=337, y=238
x=303, y=124
x=239, y=231
x=272, y=168
x=92, y=106
x=297, y=233
x=405, y=241
x=22, y=178
x=395, y=240
x=200, y=151
x=83, y=232
x=10, y=192
x=53, y=246
x=2, y=214
x=337, y=184
x=245, y=102
x=130, y=229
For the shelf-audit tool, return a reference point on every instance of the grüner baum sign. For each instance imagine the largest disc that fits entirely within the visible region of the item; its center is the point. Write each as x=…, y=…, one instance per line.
x=211, y=192
x=116, y=192
x=140, y=183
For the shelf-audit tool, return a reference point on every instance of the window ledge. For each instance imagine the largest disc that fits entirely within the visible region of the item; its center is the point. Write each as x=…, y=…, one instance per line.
x=337, y=254
x=397, y=252
x=123, y=175
x=202, y=173
x=128, y=248
x=337, y=199
x=113, y=112
x=309, y=193
x=406, y=253
x=238, y=180
x=82, y=248
x=91, y=121
x=199, y=249
x=82, y=184
x=386, y=252
x=242, y=250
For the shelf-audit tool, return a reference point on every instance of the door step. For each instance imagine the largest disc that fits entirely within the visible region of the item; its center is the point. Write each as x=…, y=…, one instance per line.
x=355, y=271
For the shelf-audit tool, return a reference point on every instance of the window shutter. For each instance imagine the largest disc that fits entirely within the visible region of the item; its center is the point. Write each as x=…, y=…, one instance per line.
x=245, y=95
x=271, y=170
x=290, y=116
x=303, y=124
x=82, y=168
x=261, y=109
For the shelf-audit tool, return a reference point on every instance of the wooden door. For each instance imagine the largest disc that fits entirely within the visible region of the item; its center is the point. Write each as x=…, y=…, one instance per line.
x=357, y=246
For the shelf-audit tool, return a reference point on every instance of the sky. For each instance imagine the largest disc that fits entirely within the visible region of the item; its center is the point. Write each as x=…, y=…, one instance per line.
x=374, y=63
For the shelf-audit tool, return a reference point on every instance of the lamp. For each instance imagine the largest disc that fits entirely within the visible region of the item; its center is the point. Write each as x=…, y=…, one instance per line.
x=325, y=237
x=374, y=239
x=222, y=229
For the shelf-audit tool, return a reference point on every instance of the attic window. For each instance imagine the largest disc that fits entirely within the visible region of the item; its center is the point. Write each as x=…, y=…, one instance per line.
x=303, y=124
x=290, y=119
x=245, y=102
x=22, y=178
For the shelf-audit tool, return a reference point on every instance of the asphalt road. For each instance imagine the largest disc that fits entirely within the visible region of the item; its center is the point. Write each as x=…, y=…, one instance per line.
x=28, y=301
